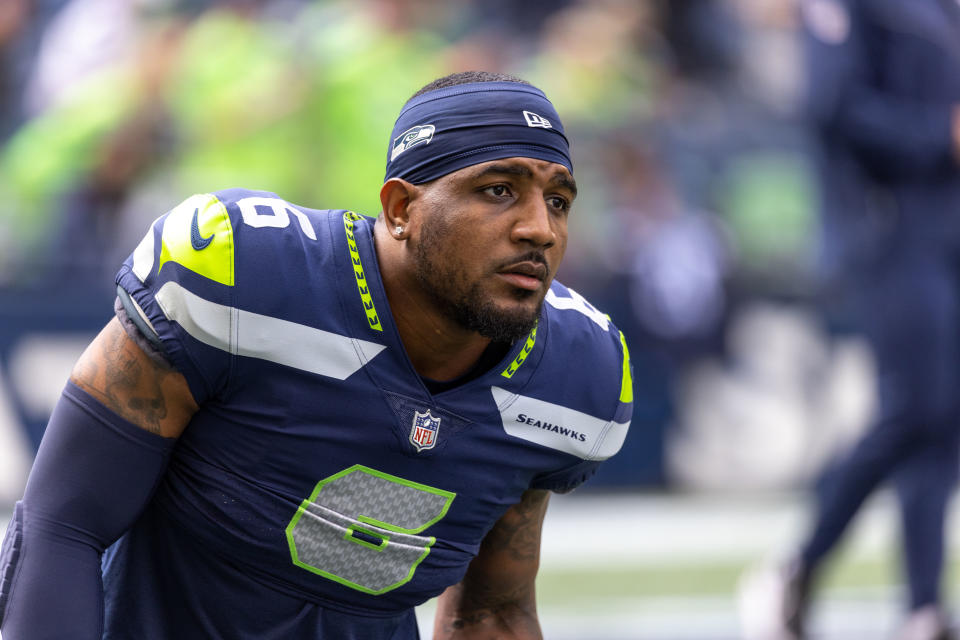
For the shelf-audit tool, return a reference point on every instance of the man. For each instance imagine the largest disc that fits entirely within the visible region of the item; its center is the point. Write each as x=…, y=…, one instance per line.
x=885, y=103
x=304, y=423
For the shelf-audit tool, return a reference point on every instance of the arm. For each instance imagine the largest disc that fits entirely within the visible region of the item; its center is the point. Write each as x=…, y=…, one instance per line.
x=496, y=597
x=150, y=394
x=100, y=460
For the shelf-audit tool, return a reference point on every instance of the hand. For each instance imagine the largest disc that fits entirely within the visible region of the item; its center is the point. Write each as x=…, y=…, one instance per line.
x=956, y=132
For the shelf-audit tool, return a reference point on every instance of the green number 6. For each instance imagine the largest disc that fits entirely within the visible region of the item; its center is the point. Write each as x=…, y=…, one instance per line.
x=358, y=528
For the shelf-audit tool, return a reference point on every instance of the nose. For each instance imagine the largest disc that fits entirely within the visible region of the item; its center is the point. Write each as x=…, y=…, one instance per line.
x=534, y=224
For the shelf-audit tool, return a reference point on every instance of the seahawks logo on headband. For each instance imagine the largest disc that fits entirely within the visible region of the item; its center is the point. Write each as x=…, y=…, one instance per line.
x=473, y=123
x=420, y=134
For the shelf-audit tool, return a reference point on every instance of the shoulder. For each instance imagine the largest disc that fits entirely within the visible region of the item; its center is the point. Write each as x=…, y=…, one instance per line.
x=215, y=234
x=263, y=219
x=234, y=272
x=586, y=363
x=579, y=399
x=584, y=333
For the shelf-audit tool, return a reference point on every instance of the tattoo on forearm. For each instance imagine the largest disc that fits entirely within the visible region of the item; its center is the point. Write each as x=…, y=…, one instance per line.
x=485, y=607
x=520, y=618
x=518, y=532
x=486, y=603
x=480, y=601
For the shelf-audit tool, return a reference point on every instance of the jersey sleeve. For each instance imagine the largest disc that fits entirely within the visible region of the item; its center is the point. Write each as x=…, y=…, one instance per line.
x=592, y=394
x=567, y=479
x=181, y=279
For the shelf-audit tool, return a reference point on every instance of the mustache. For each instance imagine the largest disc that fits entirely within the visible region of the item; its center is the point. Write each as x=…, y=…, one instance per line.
x=530, y=256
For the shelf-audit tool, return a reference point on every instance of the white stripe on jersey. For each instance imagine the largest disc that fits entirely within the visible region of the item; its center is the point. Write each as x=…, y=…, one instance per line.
x=254, y=335
x=559, y=427
x=143, y=255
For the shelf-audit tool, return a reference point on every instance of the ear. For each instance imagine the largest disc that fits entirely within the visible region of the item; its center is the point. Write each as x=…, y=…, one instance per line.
x=395, y=197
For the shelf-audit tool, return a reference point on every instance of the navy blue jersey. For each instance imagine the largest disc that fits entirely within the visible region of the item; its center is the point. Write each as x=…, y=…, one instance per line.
x=319, y=471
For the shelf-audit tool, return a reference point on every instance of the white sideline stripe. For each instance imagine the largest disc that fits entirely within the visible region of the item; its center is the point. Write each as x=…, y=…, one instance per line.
x=601, y=438
x=254, y=335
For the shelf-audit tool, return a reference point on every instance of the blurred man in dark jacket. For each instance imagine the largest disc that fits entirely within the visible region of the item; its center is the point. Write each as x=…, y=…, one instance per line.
x=884, y=99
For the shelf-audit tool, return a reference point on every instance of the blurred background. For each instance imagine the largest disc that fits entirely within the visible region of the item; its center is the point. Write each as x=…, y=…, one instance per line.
x=696, y=230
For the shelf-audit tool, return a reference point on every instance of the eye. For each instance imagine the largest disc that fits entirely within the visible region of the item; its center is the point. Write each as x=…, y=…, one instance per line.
x=498, y=190
x=559, y=203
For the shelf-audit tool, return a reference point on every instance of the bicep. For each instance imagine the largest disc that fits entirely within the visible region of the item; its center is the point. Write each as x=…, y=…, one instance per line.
x=497, y=592
x=96, y=470
x=120, y=375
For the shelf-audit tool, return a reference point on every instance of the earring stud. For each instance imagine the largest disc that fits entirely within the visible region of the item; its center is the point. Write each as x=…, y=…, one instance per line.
x=399, y=229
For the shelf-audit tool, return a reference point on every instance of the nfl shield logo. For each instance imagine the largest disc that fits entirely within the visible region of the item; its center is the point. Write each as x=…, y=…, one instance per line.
x=423, y=433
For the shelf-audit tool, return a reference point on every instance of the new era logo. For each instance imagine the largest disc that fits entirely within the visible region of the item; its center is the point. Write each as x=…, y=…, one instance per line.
x=534, y=120
x=420, y=134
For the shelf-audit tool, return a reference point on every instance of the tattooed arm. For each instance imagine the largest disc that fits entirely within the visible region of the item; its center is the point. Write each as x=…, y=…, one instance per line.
x=496, y=597
x=141, y=389
x=103, y=454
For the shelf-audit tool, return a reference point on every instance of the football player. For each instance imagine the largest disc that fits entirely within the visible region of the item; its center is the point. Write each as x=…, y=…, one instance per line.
x=304, y=423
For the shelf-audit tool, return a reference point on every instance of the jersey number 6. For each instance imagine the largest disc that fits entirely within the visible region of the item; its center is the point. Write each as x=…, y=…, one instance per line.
x=358, y=528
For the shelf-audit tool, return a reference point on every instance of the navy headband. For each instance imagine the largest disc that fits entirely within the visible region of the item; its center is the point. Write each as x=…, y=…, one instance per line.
x=447, y=129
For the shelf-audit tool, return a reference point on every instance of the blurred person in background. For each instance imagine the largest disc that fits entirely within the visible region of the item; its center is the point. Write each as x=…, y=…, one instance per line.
x=15, y=18
x=22, y=27
x=884, y=98
x=302, y=424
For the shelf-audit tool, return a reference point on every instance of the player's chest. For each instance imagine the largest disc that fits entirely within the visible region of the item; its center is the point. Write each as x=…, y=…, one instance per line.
x=290, y=430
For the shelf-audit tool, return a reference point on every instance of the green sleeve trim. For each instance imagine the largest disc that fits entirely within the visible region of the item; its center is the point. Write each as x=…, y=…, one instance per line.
x=626, y=384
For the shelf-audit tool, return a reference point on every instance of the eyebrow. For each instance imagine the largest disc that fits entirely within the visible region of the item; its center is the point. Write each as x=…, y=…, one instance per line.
x=517, y=170
x=565, y=181
x=508, y=169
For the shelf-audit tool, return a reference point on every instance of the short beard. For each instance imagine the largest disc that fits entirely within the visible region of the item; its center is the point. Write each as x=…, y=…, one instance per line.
x=466, y=304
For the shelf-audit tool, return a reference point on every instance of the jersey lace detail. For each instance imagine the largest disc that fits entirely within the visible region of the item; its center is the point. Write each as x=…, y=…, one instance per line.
x=373, y=320
x=522, y=356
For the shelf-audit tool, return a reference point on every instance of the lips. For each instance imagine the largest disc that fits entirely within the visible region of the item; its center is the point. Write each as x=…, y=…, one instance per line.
x=532, y=269
x=525, y=275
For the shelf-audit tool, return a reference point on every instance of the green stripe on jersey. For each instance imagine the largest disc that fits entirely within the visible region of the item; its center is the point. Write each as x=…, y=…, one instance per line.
x=522, y=356
x=626, y=382
x=373, y=319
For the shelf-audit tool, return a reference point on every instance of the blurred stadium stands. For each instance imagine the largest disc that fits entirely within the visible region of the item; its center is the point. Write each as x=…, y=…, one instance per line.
x=694, y=226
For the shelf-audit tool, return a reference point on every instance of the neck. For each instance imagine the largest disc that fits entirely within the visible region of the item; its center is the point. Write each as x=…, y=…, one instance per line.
x=438, y=347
